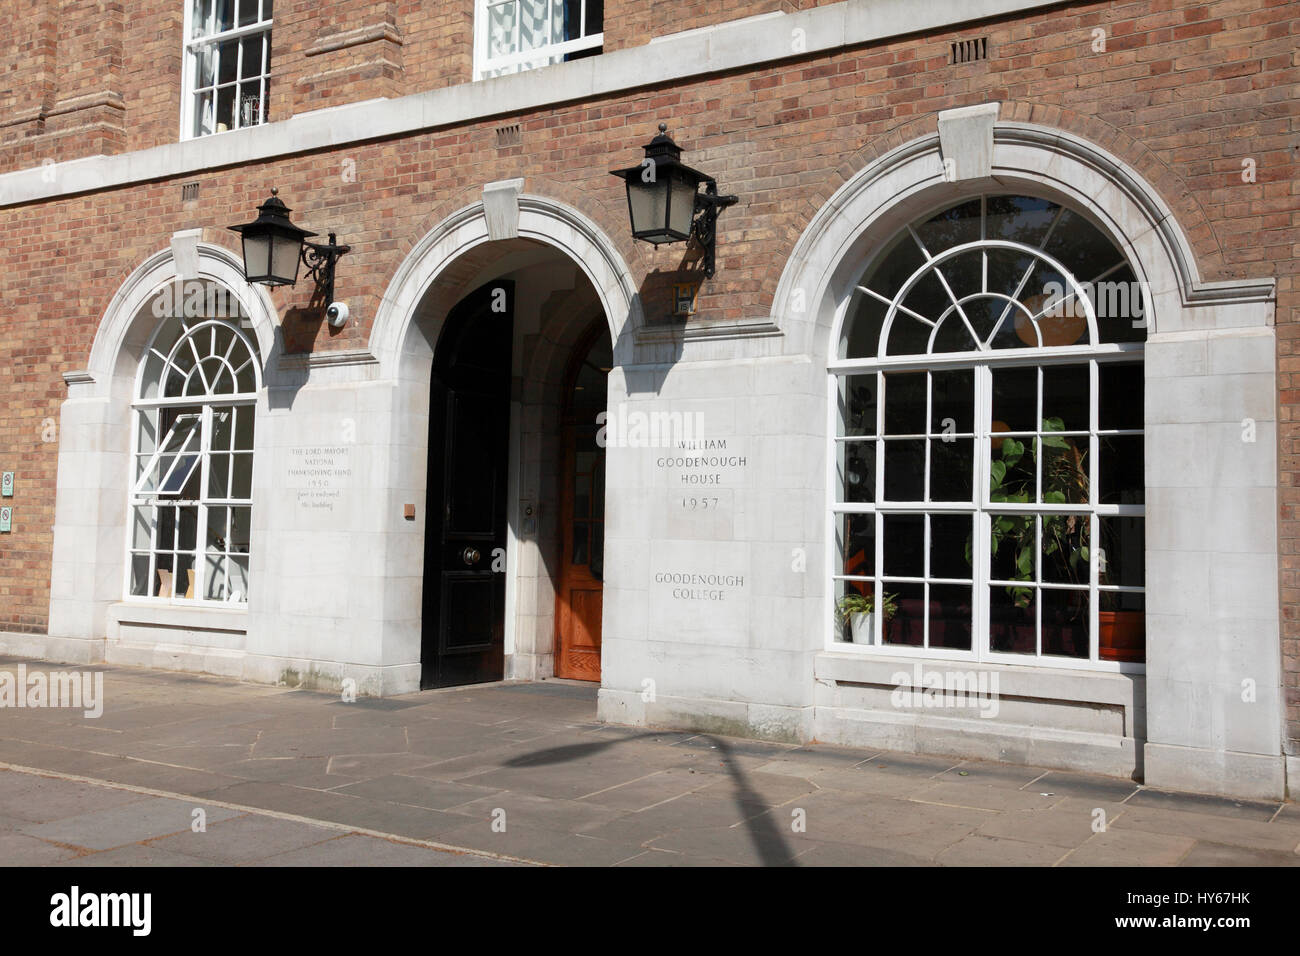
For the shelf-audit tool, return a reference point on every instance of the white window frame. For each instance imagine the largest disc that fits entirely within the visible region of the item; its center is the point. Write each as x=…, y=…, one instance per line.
x=189, y=69
x=981, y=506
x=486, y=66
x=139, y=498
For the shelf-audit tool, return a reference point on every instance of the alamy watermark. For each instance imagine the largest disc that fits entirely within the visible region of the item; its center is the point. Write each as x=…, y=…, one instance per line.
x=82, y=690
x=631, y=428
x=946, y=688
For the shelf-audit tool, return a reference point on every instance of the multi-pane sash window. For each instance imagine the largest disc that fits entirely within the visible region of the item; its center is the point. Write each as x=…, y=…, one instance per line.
x=988, y=454
x=516, y=35
x=227, y=65
x=192, y=473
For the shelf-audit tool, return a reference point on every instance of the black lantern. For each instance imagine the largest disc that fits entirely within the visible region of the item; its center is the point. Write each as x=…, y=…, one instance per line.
x=663, y=198
x=274, y=247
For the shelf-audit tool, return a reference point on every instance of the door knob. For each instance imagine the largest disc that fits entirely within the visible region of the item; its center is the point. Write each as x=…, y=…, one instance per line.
x=470, y=555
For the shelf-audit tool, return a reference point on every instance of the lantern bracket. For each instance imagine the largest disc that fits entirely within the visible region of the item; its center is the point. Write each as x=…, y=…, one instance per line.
x=320, y=258
x=704, y=229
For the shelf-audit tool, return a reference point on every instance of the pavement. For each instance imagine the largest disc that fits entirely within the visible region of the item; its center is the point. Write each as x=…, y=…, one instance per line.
x=199, y=771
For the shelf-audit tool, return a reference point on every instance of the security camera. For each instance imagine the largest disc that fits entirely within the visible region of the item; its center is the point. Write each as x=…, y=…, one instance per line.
x=337, y=313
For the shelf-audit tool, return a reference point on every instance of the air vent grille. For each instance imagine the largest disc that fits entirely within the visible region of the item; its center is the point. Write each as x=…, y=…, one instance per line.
x=189, y=192
x=969, y=50
x=508, y=136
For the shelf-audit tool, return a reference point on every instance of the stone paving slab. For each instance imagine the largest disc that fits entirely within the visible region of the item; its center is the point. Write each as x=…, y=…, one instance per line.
x=293, y=777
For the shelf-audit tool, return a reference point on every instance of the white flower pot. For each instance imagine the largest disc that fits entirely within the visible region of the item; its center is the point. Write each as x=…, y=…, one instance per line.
x=862, y=629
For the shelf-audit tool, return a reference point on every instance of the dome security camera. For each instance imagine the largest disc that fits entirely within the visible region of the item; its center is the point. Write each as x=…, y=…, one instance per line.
x=337, y=314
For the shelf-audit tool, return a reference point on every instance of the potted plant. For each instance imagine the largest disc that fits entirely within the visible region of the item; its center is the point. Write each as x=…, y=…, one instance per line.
x=856, y=610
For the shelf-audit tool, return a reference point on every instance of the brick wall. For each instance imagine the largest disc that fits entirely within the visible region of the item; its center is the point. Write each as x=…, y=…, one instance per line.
x=1184, y=91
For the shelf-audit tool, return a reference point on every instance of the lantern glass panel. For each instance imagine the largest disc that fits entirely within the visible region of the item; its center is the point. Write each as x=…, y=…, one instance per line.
x=257, y=256
x=648, y=203
x=285, y=256
x=681, y=203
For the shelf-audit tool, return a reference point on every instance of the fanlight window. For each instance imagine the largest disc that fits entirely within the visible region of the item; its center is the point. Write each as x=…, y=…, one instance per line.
x=989, y=449
x=191, y=488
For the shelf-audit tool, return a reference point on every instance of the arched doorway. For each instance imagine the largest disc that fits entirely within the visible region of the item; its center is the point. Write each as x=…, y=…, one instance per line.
x=498, y=527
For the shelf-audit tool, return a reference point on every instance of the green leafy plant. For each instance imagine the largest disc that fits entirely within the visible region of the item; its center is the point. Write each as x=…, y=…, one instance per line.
x=855, y=603
x=1065, y=481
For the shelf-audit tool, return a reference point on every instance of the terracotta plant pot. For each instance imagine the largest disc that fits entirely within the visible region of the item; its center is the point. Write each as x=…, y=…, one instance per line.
x=1122, y=636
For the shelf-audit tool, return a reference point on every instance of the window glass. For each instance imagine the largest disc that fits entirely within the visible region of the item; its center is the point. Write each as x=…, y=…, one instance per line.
x=191, y=491
x=995, y=441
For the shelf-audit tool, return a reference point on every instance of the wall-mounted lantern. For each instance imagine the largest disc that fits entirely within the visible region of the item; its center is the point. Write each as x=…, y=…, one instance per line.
x=274, y=247
x=663, y=199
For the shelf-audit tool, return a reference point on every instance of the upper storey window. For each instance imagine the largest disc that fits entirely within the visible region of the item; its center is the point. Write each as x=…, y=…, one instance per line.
x=515, y=35
x=227, y=65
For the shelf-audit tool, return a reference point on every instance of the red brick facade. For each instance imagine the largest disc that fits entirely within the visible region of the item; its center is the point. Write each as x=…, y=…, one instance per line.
x=1185, y=92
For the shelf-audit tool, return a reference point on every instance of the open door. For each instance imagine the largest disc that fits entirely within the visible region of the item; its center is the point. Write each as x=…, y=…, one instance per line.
x=463, y=630
x=579, y=596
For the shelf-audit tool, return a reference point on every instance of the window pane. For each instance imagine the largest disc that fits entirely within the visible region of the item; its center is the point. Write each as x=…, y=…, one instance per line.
x=907, y=626
x=228, y=61
x=904, y=545
x=1022, y=219
x=1011, y=541
x=579, y=543
x=952, y=401
x=858, y=404
x=218, y=476
x=905, y=403
x=1064, y=548
x=214, y=583
x=862, y=328
x=1015, y=399
x=248, y=12
x=950, y=547
x=1122, y=559
x=952, y=227
x=225, y=19
x=225, y=109
x=953, y=336
x=858, y=471
x=241, y=484
x=1011, y=470
x=857, y=544
x=251, y=65
x=852, y=622
x=965, y=276
x=905, y=470
x=951, y=469
x=1121, y=398
x=595, y=17
x=140, y=575
x=1065, y=468
x=1067, y=397
x=1121, y=627
x=1120, y=470
x=241, y=524
x=1012, y=613
x=501, y=29
x=250, y=103
x=1065, y=623
x=950, y=616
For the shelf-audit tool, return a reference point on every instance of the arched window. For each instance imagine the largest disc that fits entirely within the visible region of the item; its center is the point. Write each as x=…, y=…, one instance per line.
x=988, y=395
x=192, y=461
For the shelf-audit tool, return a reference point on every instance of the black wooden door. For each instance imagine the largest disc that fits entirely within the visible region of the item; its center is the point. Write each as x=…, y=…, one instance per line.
x=463, y=631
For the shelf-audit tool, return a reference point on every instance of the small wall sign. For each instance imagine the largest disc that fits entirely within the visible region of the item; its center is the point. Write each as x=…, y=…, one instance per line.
x=6, y=519
x=684, y=298
x=7, y=484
